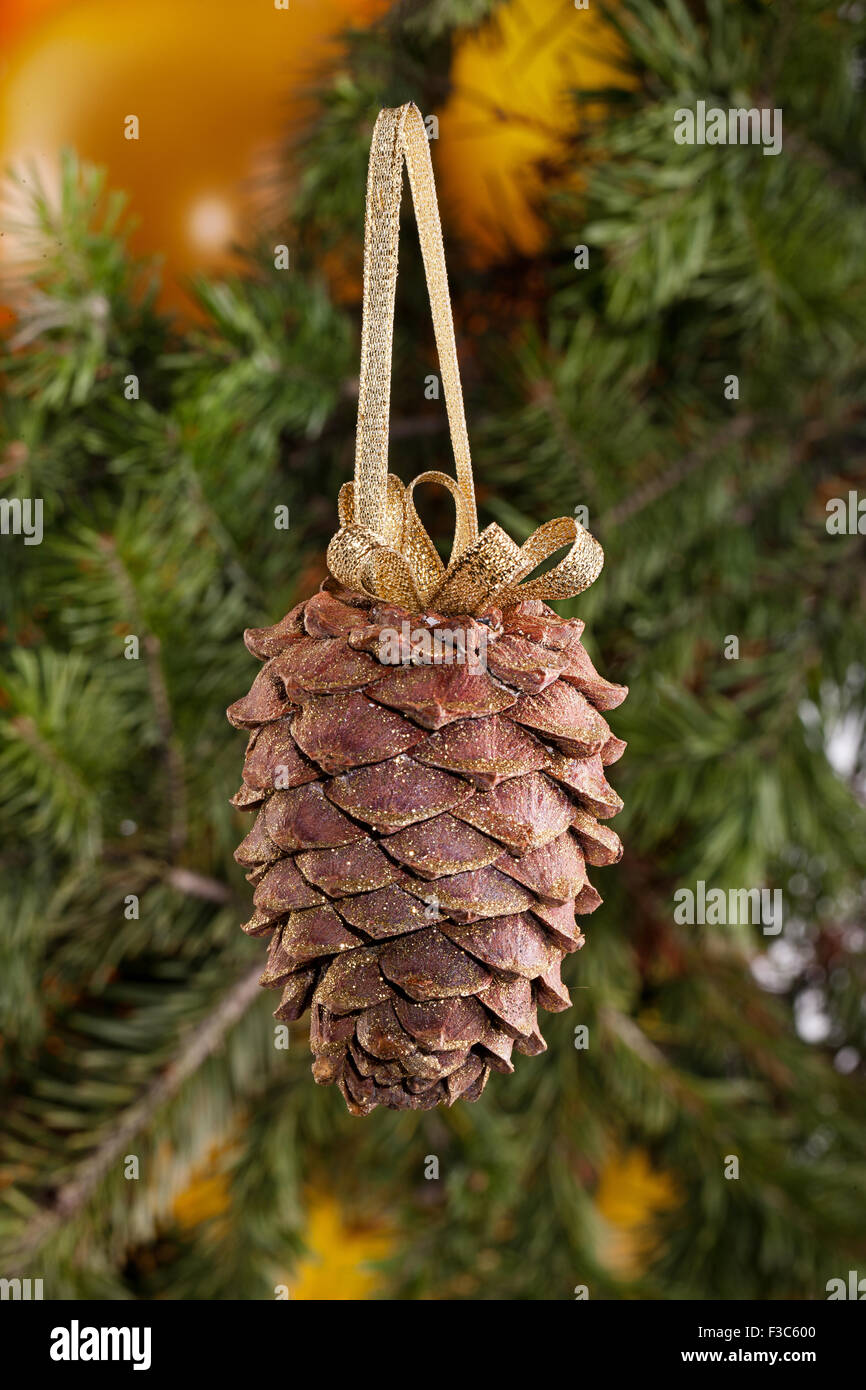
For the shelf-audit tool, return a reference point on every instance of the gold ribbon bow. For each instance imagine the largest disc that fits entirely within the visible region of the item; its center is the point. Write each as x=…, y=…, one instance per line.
x=381, y=548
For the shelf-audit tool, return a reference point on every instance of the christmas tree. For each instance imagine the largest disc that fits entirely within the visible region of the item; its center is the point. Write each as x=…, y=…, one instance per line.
x=664, y=338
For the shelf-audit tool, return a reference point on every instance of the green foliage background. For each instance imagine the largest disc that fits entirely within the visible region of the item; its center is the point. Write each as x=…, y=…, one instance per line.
x=607, y=392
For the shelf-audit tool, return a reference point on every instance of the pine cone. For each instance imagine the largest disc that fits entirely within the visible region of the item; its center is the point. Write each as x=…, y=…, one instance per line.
x=423, y=830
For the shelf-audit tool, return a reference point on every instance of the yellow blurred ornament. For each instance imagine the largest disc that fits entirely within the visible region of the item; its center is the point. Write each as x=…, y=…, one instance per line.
x=510, y=115
x=204, y=1198
x=206, y=1194
x=630, y=1194
x=338, y=1266
x=212, y=84
x=340, y=1253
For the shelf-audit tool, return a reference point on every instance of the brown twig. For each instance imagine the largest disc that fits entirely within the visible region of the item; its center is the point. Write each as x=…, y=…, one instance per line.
x=159, y=695
x=176, y=782
x=651, y=491
x=199, y=885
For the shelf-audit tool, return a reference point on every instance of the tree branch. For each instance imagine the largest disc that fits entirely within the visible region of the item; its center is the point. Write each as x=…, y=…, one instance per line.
x=199, y=1044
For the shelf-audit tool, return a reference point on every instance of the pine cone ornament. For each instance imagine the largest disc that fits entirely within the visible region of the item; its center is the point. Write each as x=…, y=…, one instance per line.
x=422, y=835
x=427, y=749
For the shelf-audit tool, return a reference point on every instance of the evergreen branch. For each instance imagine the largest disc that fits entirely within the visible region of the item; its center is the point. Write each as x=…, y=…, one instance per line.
x=200, y=1044
x=60, y=743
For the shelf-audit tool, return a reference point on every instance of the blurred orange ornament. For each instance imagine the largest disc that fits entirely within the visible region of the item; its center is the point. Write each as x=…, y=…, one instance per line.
x=511, y=112
x=212, y=84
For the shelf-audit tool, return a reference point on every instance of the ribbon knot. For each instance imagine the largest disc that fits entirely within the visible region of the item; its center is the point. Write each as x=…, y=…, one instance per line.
x=403, y=566
x=382, y=549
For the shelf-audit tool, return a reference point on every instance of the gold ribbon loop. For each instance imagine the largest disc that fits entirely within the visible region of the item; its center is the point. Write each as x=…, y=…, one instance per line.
x=382, y=549
x=375, y=563
x=399, y=135
x=432, y=571
x=358, y=558
x=574, y=573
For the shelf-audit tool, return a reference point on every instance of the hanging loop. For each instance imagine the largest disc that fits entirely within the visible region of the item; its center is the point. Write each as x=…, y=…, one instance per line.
x=381, y=548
